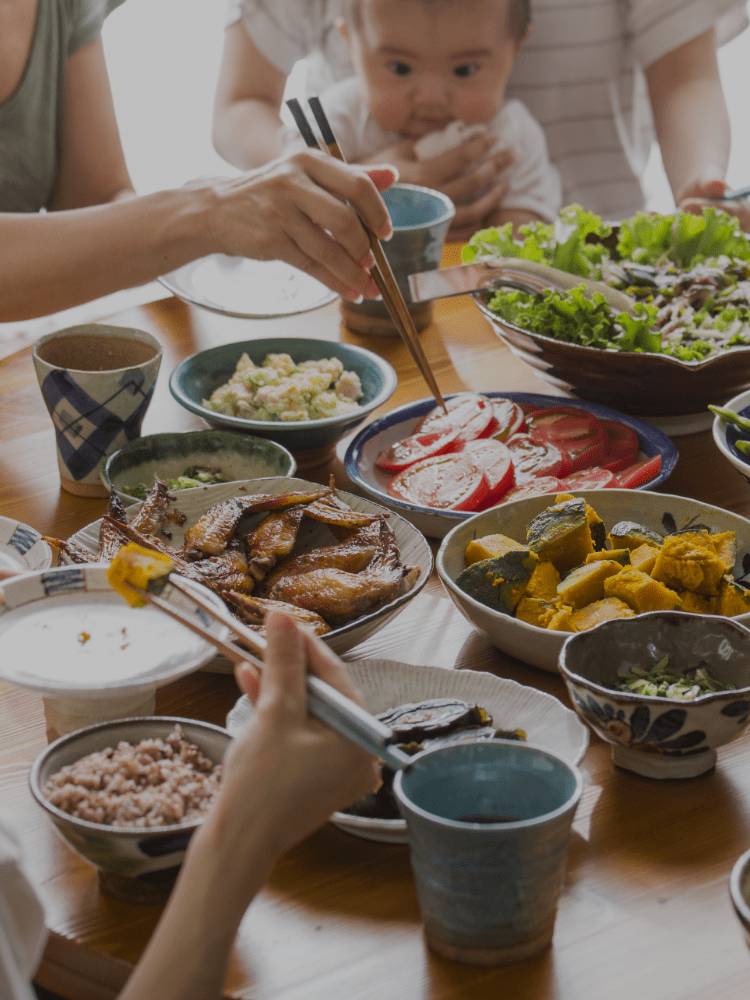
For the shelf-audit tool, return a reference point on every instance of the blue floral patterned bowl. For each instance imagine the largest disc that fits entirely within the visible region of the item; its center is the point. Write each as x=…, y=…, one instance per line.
x=660, y=737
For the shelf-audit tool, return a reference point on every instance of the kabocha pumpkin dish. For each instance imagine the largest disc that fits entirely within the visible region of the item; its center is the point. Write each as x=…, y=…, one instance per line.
x=572, y=572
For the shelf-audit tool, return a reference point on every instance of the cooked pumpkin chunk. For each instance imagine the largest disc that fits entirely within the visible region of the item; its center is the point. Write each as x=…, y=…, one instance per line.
x=585, y=584
x=723, y=545
x=697, y=604
x=733, y=599
x=630, y=534
x=499, y=583
x=644, y=557
x=600, y=611
x=535, y=611
x=622, y=556
x=489, y=547
x=561, y=535
x=641, y=592
x=561, y=620
x=685, y=562
x=596, y=525
x=543, y=582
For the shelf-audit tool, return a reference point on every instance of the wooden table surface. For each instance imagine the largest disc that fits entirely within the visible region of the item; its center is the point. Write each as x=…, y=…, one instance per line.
x=645, y=910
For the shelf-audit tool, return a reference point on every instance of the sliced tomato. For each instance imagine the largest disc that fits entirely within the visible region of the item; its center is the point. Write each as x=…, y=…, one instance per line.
x=497, y=462
x=571, y=429
x=638, y=474
x=594, y=478
x=447, y=482
x=472, y=413
x=534, y=488
x=622, y=446
x=534, y=457
x=401, y=454
x=510, y=418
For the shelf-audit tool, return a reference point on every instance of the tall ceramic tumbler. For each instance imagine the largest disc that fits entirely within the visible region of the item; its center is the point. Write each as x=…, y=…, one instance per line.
x=97, y=382
x=489, y=826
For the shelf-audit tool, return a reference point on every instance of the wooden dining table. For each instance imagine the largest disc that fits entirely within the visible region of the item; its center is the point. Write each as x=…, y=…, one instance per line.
x=645, y=910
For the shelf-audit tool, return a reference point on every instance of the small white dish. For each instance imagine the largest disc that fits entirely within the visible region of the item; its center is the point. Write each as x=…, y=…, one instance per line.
x=66, y=632
x=387, y=683
x=250, y=289
x=22, y=548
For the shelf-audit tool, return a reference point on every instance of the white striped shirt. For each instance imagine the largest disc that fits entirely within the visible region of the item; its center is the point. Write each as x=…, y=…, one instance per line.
x=580, y=74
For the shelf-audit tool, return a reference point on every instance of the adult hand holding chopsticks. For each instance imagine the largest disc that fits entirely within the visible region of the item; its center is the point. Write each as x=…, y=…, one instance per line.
x=296, y=210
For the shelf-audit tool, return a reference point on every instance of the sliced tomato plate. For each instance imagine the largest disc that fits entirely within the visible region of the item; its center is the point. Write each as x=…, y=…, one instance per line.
x=622, y=445
x=510, y=419
x=534, y=457
x=534, y=488
x=403, y=422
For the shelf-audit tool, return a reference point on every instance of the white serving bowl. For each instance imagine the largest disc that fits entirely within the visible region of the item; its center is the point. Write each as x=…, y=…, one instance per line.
x=541, y=647
x=413, y=546
x=133, y=862
x=656, y=736
x=726, y=434
x=739, y=891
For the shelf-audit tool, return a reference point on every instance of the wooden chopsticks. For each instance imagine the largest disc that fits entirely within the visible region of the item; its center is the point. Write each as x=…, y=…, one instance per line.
x=381, y=272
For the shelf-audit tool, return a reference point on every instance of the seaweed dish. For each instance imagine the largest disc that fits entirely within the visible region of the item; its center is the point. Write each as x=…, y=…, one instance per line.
x=427, y=725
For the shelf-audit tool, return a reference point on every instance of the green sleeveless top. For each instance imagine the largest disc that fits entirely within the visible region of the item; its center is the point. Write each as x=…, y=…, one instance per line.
x=31, y=118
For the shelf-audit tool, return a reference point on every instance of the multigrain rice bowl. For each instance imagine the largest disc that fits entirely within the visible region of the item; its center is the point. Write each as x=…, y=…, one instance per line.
x=127, y=795
x=154, y=783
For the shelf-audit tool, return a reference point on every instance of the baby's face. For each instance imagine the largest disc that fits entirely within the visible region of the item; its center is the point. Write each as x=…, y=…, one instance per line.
x=424, y=65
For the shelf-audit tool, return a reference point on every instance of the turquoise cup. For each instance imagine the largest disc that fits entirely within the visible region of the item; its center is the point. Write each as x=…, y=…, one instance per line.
x=489, y=827
x=420, y=218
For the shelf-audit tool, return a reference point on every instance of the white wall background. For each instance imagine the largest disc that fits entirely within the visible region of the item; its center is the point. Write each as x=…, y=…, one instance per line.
x=163, y=58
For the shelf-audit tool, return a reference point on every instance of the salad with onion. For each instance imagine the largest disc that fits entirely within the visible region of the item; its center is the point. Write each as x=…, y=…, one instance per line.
x=688, y=275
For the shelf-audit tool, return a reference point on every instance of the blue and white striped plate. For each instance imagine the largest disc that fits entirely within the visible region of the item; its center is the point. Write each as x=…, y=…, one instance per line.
x=22, y=548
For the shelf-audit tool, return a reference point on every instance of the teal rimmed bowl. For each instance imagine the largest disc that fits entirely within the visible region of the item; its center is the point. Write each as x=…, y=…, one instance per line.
x=312, y=442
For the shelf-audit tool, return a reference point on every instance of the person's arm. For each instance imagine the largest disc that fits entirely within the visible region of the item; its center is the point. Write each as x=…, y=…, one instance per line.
x=692, y=124
x=294, y=210
x=248, y=96
x=282, y=779
x=91, y=167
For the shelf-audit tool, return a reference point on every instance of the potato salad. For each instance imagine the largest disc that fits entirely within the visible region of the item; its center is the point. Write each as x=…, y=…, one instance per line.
x=280, y=389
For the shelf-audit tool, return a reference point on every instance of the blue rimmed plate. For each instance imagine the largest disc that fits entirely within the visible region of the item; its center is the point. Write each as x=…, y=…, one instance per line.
x=364, y=449
x=727, y=435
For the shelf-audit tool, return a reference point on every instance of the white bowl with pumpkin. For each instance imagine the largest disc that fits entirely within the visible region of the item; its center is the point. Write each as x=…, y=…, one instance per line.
x=529, y=573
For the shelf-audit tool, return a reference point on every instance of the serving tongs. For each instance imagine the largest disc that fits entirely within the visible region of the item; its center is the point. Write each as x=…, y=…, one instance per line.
x=381, y=273
x=325, y=702
x=508, y=272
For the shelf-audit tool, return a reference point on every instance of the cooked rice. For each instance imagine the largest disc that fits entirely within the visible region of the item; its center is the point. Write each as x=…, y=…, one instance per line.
x=155, y=783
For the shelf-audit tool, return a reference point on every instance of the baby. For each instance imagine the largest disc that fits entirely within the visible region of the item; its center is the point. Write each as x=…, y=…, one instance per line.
x=433, y=71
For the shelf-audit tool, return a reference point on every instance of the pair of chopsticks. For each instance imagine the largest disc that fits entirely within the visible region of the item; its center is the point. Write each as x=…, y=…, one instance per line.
x=325, y=702
x=381, y=272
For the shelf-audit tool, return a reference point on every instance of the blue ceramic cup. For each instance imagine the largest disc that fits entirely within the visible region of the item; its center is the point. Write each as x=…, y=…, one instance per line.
x=489, y=826
x=420, y=218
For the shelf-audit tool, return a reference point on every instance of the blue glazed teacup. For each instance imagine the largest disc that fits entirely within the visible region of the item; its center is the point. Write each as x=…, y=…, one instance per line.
x=420, y=218
x=489, y=826
x=97, y=382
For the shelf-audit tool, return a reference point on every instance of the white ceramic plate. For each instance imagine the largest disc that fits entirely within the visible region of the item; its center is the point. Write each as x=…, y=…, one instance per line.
x=21, y=547
x=65, y=631
x=253, y=289
x=412, y=545
x=387, y=683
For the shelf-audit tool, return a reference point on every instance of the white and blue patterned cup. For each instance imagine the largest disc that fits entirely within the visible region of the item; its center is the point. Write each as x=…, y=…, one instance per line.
x=489, y=826
x=420, y=218
x=97, y=382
